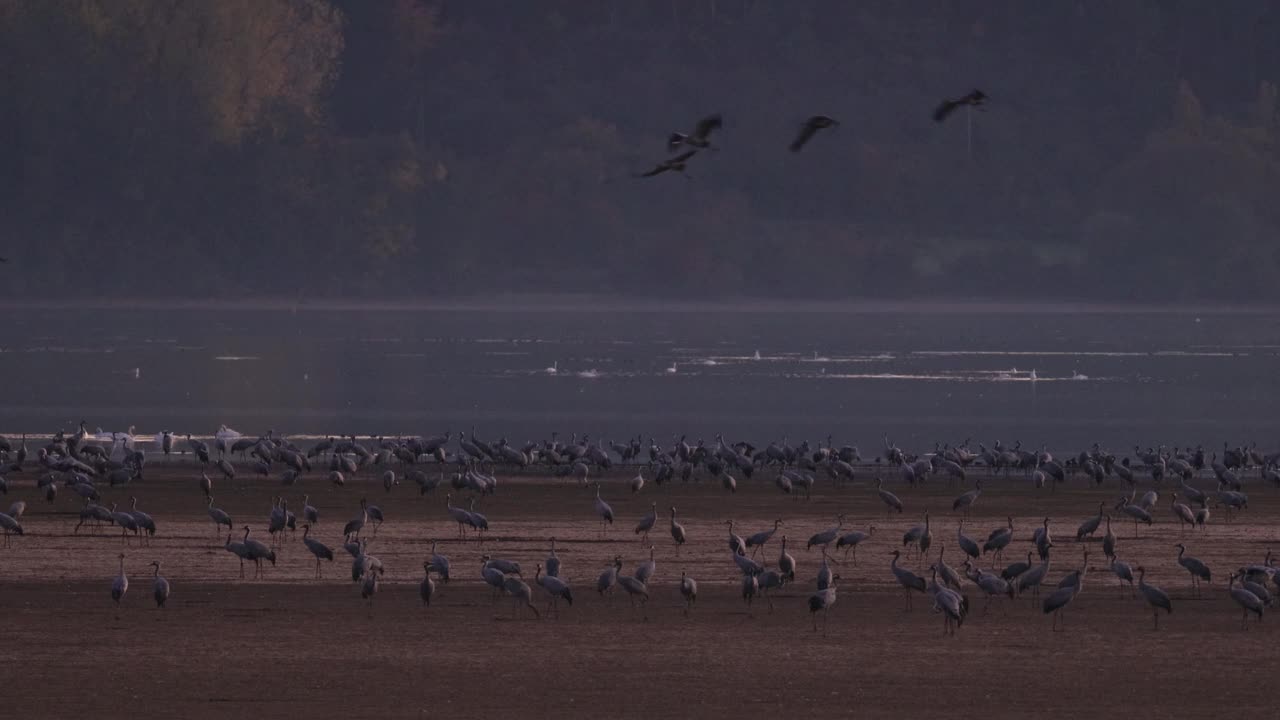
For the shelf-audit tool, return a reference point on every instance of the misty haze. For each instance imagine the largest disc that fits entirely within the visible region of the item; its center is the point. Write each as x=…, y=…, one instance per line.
x=639, y=358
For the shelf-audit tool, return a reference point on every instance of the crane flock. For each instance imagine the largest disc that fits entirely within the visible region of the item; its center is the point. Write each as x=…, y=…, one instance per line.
x=75, y=462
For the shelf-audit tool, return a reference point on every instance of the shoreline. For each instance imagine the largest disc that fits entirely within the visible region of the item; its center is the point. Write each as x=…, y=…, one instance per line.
x=544, y=303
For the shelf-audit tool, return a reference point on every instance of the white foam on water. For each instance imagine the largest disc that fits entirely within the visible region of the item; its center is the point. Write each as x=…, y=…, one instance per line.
x=69, y=350
x=1030, y=353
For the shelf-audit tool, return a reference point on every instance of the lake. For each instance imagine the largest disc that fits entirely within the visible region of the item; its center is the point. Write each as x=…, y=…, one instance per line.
x=917, y=374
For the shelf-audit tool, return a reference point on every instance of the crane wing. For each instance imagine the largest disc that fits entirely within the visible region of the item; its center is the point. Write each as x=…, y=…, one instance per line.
x=806, y=131
x=706, y=125
x=945, y=108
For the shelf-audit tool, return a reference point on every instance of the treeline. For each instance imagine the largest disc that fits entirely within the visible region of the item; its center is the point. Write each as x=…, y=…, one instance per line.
x=402, y=148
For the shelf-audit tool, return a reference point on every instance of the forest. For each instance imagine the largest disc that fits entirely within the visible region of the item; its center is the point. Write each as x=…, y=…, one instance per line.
x=459, y=148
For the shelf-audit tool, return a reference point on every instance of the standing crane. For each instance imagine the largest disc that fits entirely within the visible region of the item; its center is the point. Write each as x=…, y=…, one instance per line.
x=646, y=523
x=1058, y=600
x=1109, y=542
x=850, y=541
x=1199, y=571
x=123, y=520
x=309, y=513
x=120, y=585
x=689, y=591
x=646, y=569
x=1158, y=599
x=677, y=530
x=609, y=577
x=762, y=538
x=355, y=525
x=1034, y=577
x=317, y=548
x=459, y=515
x=556, y=588
x=257, y=552
x=1123, y=573
x=159, y=586
x=10, y=526
x=219, y=517
x=998, y=540
x=427, y=588
x=1248, y=602
x=1090, y=526
x=787, y=563
x=439, y=563
x=967, y=544
x=826, y=537
x=890, y=500
x=1183, y=513
x=907, y=579
x=824, y=599
x=604, y=511
x=966, y=500
x=635, y=588
x=1043, y=540
x=553, y=561
x=736, y=543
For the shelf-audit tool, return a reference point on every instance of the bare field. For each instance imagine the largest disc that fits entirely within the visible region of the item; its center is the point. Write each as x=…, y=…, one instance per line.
x=290, y=644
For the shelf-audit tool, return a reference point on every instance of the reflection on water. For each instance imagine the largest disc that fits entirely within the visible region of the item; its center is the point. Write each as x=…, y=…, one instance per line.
x=1062, y=378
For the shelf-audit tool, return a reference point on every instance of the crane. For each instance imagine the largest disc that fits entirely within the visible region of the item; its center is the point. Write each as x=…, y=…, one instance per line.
x=689, y=591
x=120, y=585
x=317, y=548
x=1158, y=599
x=1199, y=571
x=159, y=586
x=823, y=600
x=647, y=522
x=603, y=510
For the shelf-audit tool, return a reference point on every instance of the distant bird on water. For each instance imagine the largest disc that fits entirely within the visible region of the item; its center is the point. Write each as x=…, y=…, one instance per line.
x=809, y=128
x=700, y=137
x=676, y=163
x=975, y=98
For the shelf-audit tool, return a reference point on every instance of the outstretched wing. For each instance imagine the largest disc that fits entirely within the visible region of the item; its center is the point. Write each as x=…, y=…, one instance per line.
x=706, y=125
x=656, y=171
x=674, y=141
x=806, y=131
x=944, y=109
x=681, y=158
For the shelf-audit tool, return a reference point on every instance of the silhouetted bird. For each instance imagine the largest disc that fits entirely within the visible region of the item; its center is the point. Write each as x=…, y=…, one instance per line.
x=811, y=126
x=975, y=98
x=699, y=138
x=676, y=163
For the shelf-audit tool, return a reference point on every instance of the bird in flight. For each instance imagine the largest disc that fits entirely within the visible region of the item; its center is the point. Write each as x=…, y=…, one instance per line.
x=977, y=98
x=811, y=126
x=699, y=138
x=676, y=163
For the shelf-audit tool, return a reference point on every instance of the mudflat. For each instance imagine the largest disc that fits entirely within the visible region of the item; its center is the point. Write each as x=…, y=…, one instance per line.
x=288, y=643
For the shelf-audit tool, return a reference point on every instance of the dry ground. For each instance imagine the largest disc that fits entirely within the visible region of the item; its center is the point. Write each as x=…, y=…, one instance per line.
x=288, y=644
